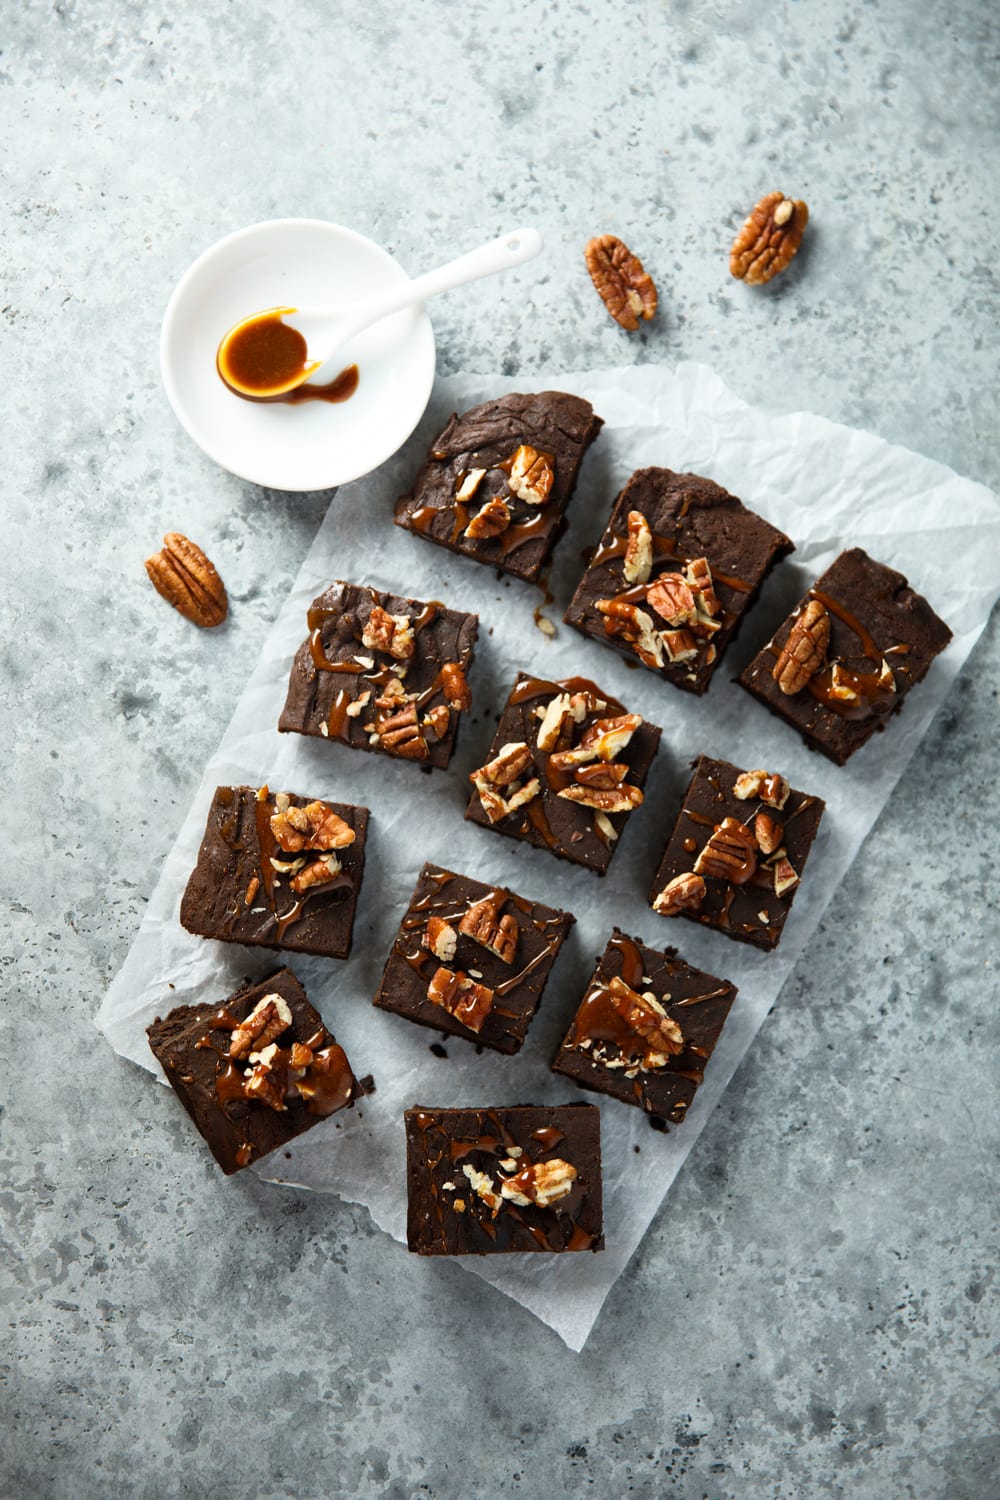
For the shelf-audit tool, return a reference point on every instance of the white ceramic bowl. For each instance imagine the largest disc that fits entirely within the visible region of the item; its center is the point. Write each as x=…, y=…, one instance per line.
x=293, y=263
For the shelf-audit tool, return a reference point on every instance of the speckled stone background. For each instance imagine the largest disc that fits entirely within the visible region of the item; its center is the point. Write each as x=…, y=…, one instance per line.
x=811, y=1314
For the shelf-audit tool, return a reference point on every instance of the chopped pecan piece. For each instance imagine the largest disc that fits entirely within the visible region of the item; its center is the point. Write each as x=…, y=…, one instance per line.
x=507, y=765
x=492, y=519
x=842, y=684
x=680, y=645
x=267, y=1080
x=622, y=283
x=554, y=717
x=470, y=483
x=638, y=562
x=495, y=806
x=184, y=576
x=804, y=653
x=300, y=1055
x=530, y=474
x=265, y=1023
x=684, y=893
x=767, y=785
x=616, y=799
x=481, y=1184
x=644, y=1015
x=441, y=938
x=610, y=736
x=767, y=832
x=699, y=578
x=390, y=633
x=785, y=877
x=542, y=1183
x=770, y=236
x=455, y=688
x=252, y=890
x=601, y=774
x=401, y=734
x=485, y=925
x=319, y=872
x=461, y=997
x=730, y=854
x=437, y=721
x=672, y=598
x=633, y=625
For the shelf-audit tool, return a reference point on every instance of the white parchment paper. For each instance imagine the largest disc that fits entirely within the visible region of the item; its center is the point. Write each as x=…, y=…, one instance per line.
x=828, y=487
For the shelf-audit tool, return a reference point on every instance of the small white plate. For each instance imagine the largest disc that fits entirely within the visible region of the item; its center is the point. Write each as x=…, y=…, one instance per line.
x=292, y=263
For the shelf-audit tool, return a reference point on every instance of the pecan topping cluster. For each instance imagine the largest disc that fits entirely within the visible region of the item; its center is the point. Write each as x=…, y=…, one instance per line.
x=580, y=761
x=486, y=923
x=529, y=475
x=769, y=238
x=276, y=1075
x=403, y=723
x=621, y=281
x=541, y=1184
x=187, y=579
x=644, y=1015
x=805, y=657
x=683, y=612
x=738, y=853
x=313, y=834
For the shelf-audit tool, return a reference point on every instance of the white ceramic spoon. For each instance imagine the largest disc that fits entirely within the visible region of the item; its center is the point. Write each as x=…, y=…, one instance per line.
x=327, y=330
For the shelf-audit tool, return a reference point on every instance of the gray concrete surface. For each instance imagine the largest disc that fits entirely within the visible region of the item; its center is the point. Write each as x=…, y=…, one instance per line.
x=811, y=1314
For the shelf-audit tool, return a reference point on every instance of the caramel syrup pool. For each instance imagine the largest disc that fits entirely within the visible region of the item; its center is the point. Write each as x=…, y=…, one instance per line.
x=264, y=356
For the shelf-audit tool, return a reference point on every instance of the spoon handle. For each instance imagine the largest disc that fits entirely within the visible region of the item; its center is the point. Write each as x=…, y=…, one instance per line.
x=511, y=249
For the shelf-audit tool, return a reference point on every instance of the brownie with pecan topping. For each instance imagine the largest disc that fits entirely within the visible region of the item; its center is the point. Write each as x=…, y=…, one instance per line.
x=497, y=481
x=646, y=1028
x=841, y=664
x=490, y=1181
x=384, y=673
x=277, y=871
x=471, y=959
x=737, y=852
x=678, y=566
x=567, y=765
x=256, y=1071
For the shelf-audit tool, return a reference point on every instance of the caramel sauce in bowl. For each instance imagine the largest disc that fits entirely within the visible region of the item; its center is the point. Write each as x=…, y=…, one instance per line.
x=344, y=421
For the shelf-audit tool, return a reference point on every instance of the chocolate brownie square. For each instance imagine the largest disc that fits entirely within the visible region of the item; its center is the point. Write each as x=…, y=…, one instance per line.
x=645, y=1029
x=471, y=959
x=381, y=672
x=567, y=766
x=847, y=655
x=680, y=563
x=277, y=871
x=256, y=1071
x=737, y=852
x=493, y=1181
x=497, y=480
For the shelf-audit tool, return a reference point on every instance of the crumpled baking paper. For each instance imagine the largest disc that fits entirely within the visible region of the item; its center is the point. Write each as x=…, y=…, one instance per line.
x=828, y=487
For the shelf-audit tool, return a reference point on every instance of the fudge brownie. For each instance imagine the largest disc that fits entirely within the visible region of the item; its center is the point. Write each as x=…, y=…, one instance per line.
x=255, y=1072
x=489, y=1181
x=680, y=563
x=646, y=1027
x=497, y=480
x=277, y=871
x=380, y=672
x=737, y=852
x=848, y=654
x=471, y=959
x=567, y=765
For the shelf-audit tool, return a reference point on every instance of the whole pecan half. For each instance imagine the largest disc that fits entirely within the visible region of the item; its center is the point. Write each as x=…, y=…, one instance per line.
x=767, y=832
x=624, y=286
x=730, y=854
x=804, y=653
x=484, y=923
x=186, y=578
x=769, y=238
